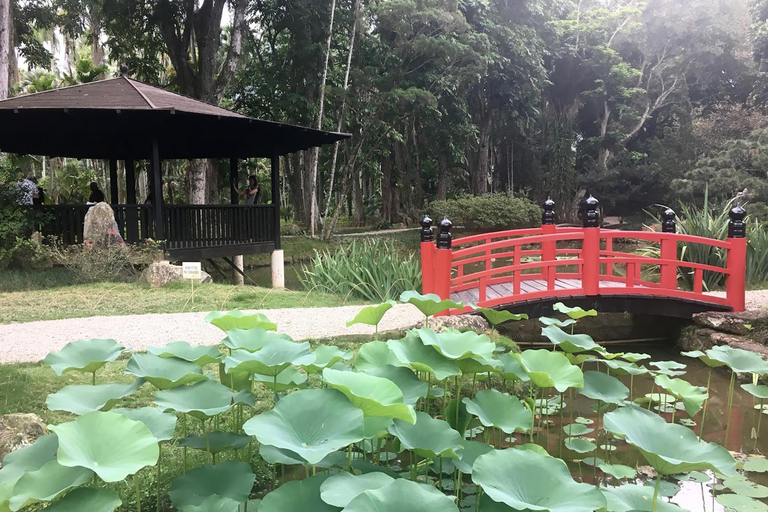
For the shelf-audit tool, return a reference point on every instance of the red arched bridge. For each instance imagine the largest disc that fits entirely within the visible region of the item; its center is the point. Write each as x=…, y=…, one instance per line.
x=528, y=270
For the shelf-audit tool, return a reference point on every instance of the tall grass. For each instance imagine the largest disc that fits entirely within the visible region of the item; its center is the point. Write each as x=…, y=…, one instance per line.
x=371, y=269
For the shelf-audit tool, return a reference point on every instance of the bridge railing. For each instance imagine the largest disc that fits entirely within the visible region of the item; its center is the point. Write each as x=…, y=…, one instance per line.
x=493, y=269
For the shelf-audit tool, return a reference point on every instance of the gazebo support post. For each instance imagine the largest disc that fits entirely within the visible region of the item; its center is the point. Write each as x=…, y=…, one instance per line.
x=234, y=198
x=113, y=188
x=278, y=258
x=157, y=192
x=131, y=214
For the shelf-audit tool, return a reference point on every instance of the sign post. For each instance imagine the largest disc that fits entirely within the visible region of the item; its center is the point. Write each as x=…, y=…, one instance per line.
x=191, y=270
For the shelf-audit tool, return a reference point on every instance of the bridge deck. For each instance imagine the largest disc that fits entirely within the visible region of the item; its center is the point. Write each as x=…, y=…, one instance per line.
x=499, y=290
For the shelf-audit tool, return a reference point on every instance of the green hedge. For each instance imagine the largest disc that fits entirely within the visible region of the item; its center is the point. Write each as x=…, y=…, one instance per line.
x=490, y=211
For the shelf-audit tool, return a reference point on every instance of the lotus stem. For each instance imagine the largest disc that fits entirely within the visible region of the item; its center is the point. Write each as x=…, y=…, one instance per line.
x=443, y=384
x=93, y=379
x=184, y=433
x=429, y=388
x=426, y=321
x=656, y=492
x=458, y=399
x=138, y=492
x=457, y=485
x=730, y=406
x=759, y=419
x=704, y=413
x=440, y=477
x=376, y=332
x=349, y=457
x=631, y=385
x=474, y=383
x=560, y=440
x=477, y=501
x=159, y=457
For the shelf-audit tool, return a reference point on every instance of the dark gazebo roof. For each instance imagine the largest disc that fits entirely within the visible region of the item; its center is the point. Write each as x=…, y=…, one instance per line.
x=120, y=118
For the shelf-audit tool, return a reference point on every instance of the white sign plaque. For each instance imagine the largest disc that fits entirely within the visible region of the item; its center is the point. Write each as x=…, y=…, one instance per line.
x=191, y=270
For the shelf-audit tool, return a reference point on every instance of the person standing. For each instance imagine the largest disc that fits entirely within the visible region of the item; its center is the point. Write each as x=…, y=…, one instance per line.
x=251, y=193
x=97, y=196
x=27, y=190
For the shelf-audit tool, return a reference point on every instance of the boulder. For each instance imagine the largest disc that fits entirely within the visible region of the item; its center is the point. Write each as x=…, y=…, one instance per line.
x=100, y=226
x=161, y=273
x=18, y=431
x=740, y=324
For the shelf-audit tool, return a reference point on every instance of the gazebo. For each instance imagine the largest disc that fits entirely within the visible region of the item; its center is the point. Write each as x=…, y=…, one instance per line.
x=124, y=119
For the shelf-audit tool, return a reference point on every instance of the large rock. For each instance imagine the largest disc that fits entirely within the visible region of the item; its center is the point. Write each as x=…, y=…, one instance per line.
x=18, y=431
x=162, y=273
x=740, y=324
x=100, y=225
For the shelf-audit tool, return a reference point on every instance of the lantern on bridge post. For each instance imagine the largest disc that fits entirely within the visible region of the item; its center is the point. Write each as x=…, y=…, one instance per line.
x=442, y=279
x=737, y=258
x=548, y=249
x=668, y=252
x=427, y=256
x=590, y=247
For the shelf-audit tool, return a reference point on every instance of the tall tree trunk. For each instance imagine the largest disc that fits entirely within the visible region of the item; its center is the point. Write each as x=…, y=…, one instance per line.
x=359, y=208
x=197, y=181
x=5, y=47
x=295, y=174
x=442, y=176
x=480, y=178
x=386, y=188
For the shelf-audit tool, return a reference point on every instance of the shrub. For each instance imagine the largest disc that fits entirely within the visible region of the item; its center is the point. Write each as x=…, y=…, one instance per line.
x=371, y=269
x=29, y=254
x=14, y=223
x=490, y=211
x=91, y=262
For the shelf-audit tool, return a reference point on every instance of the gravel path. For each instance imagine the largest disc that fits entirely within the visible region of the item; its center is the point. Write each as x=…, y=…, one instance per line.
x=31, y=342
x=755, y=299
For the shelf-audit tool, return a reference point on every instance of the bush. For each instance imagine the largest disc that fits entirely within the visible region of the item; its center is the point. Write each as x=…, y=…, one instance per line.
x=91, y=262
x=29, y=254
x=488, y=212
x=372, y=269
x=14, y=223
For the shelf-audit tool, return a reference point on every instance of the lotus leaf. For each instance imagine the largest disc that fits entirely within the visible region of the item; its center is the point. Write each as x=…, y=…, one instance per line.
x=375, y=426
x=228, y=320
x=202, y=400
x=89, y=442
x=540, y=482
x=511, y=368
x=428, y=437
x=161, y=424
x=372, y=315
x=200, y=355
x=554, y=321
x=252, y=340
x=619, y=471
x=692, y=396
x=739, y=360
x=46, y=483
x=634, y=357
x=758, y=391
x=342, y=488
x=624, y=367
x=741, y=503
x=693, y=476
x=164, y=372
x=299, y=495
x=580, y=445
x=270, y=360
x=18, y=462
x=495, y=409
x=577, y=429
x=458, y=345
x=756, y=464
x=669, y=448
x=374, y=354
x=82, y=399
x=311, y=423
x=275, y=455
x=402, y=496
x=214, y=504
x=669, y=368
x=290, y=378
x=739, y=484
x=459, y=421
x=429, y=304
x=376, y=396
x=327, y=356
x=216, y=442
x=574, y=313
x=571, y=343
x=704, y=358
x=83, y=356
x=579, y=359
x=635, y=498
x=411, y=386
x=497, y=317
x=603, y=387
x=471, y=450
x=86, y=498
x=231, y=479
x=421, y=358
x=550, y=369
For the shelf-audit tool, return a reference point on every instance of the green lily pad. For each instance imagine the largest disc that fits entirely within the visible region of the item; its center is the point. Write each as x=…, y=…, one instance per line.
x=413, y=352
x=669, y=368
x=275, y=455
x=326, y=356
x=83, y=399
x=554, y=321
x=89, y=442
x=228, y=320
x=603, y=387
x=698, y=354
x=459, y=420
x=27, y=459
x=290, y=378
x=756, y=464
x=571, y=343
x=46, y=483
x=669, y=448
x=634, y=357
x=692, y=396
x=216, y=442
x=200, y=355
x=619, y=471
x=202, y=400
x=299, y=495
x=372, y=315
x=375, y=354
x=215, y=504
x=376, y=396
x=375, y=427
x=580, y=445
x=495, y=409
x=577, y=429
x=740, y=485
x=584, y=421
x=758, y=391
x=428, y=437
x=693, y=476
x=86, y=498
x=429, y=304
x=498, y=317
x=161, y=424
x=83, y=356
x=342, y=488
x=471, y=450
x=540, y=482
x=550, y=369
x=622, y=368
x=252, y=340
x=481, y=367
x=635, y=498
x=574, y=313
x=231, y=479
x=736, y=503
x=458, y=345
x=270, y=360
x=511, y=369
x=411, y=386
x=164, y=372
x=402, y=495
x=739, y=360
x=310, y=423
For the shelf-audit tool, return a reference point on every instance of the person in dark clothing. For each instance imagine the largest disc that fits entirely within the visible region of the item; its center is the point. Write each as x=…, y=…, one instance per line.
x=251, y=193
x=97, y=196
x=40, y=198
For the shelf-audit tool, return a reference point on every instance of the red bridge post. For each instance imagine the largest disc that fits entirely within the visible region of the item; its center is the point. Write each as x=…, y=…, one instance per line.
x=443, y=256
x=590, y=249
x=427, y=256
x=548, y=249
x=736, y=282
x=668, y=251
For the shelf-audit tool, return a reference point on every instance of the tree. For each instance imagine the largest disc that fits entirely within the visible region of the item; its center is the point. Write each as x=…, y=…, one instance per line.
x=5, y=46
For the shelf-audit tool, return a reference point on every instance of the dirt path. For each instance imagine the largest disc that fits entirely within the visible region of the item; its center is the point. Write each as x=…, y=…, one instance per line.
x=31, y=342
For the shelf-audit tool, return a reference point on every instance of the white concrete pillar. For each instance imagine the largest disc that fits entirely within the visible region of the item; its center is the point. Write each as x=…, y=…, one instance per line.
x=278, y=269
x=237, y=276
